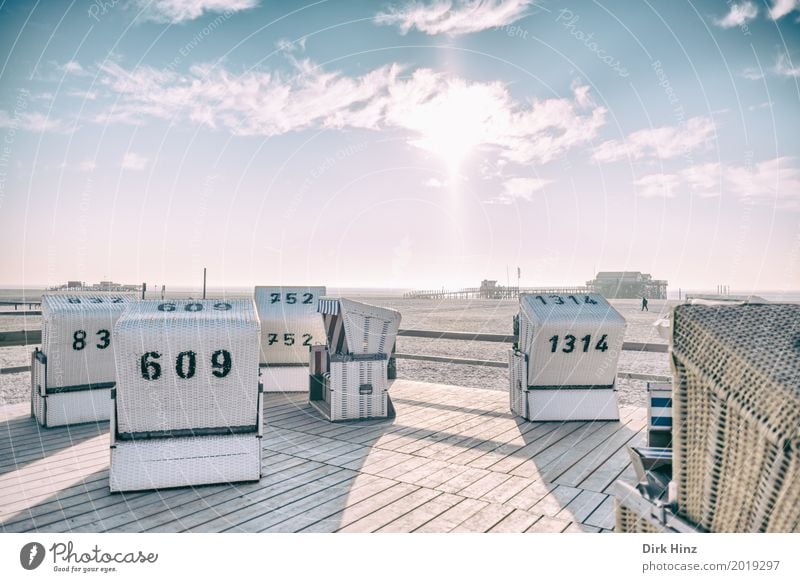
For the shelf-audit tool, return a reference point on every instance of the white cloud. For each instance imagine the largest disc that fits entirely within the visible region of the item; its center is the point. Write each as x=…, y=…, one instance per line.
x=740, y=14
x=133, y=161
x=660, y=142
x=289, y=46
x=435, y=183
x=781, y=8
x=85, y=95
x=774, y=182
x=753, y=74
x=455, y=18
x=443, y=114
x=519, y=189
x=35, y=122
x=176, y=11
x=704, y=179
x=88, y=165
x=785, y=68
x=73, y=67
x=657, y=186
x=762, y=105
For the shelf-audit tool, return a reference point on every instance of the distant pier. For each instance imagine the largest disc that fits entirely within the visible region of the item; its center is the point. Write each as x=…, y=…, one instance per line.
x=493, y=292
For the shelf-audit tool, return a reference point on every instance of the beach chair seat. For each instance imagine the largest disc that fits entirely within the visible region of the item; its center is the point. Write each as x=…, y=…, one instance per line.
x=350, y=387
x=73, y=372
x=187, y=408
x=290, y=325
x=736, y=409
x=565, y=365
x=349, y=379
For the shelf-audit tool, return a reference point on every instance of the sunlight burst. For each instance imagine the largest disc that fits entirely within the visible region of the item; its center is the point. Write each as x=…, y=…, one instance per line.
x=454, y=123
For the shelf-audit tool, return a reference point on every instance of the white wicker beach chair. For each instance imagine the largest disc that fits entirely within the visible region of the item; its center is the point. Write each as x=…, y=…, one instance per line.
x=290, y=325
x=566, y=364
x=73, y=373
x=187, y=406
x=349, y=378
x=736, y=407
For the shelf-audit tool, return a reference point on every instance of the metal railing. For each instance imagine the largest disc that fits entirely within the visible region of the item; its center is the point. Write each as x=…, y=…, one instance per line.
x=33, y=337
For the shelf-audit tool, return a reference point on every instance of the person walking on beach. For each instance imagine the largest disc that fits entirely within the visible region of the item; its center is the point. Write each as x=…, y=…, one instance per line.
x=644, y=304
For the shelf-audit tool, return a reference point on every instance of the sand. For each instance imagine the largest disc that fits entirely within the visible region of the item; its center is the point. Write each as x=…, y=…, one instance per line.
x=488, y=316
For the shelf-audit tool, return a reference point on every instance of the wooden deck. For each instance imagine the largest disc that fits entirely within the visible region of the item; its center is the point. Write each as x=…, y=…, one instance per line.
x=454, y=459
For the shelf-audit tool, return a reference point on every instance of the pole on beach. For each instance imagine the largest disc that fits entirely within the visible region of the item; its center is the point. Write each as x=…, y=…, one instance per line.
x=204, y=282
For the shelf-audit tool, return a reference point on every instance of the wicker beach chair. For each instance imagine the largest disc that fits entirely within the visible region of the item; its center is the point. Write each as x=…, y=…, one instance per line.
x=565, y=365
x=637, y=513
x=187, y=406
x=73, y=373
x=736, y=407
x=349, y=377
x=290, y=325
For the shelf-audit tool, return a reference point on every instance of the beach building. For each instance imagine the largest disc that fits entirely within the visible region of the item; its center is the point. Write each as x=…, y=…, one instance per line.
x=101, y=286
x=628, y=285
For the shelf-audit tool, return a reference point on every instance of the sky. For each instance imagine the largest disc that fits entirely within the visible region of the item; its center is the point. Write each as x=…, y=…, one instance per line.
x=400, y=144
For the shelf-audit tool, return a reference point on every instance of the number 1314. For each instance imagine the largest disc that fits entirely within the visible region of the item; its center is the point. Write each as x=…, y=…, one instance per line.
x=569, y=343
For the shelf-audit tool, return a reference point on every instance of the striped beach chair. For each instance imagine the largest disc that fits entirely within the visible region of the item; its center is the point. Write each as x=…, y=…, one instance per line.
x=73, y=373
x=349, y=377
x=659, y=414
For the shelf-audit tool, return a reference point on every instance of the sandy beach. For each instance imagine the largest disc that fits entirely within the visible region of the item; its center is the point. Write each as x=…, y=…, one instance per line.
x=477, y=315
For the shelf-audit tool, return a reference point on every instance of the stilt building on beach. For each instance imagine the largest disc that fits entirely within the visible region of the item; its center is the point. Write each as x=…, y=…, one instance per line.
x=628, y=285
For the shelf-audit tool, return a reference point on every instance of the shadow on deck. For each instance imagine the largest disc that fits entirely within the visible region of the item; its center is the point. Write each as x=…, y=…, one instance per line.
x=454, y=459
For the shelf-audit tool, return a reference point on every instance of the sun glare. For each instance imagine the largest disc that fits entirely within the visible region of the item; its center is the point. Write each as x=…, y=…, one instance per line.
x=454, y=124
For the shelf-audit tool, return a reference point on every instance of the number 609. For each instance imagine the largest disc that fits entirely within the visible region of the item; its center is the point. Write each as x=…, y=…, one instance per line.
x=185, y=364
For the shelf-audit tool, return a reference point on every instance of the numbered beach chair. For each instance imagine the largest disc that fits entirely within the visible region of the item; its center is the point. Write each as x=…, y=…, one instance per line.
x=290, y=325
x=187, y=408
x=565, y=365
x=736, y=416
x=349, y=377
x=73, y=373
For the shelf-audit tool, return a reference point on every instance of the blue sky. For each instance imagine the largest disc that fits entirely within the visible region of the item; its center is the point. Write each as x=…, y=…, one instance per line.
x=400, y=144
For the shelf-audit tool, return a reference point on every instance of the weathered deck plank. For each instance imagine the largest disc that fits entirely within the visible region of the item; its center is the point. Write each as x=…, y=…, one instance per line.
x=454, y=459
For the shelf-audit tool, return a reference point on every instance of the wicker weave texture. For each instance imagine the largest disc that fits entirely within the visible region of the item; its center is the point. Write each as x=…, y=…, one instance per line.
x=290, y=323
x=572, y=404
x=736, y=407
x=187, y=365
x=637, y=514
x=74, y=407
x=570, y=340
x=178, y=462
x=37, y=388
x=628, y=521
x=368, y=329
x=357, y=389
x=518, y=380
x=78, y=337
x=285, y=378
